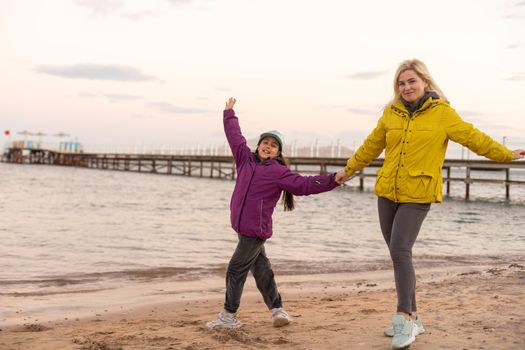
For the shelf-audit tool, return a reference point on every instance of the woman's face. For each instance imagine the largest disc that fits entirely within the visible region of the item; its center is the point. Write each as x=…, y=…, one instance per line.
x=411, y=86
x=268, y=148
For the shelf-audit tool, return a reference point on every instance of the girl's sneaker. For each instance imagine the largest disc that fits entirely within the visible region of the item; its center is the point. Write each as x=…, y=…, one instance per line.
x=389, y=332
x=280, y=317
x=225, y=319
x=404, y=332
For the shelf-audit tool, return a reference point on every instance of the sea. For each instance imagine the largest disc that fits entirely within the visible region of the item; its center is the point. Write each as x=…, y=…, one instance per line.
x=68, y=228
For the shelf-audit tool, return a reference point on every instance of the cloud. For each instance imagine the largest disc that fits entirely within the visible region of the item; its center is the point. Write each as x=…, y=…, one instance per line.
x=100, y=7
x=141, y=116
x=139, y=15
x=96, y=72
x=513, y=16
x=179, y=2
x=112, y=97
x=521, y=3
x=170, y=108
x=367, y=75
x=86, y=94
x=223, y=89
x=362, y=111
x=471, y=115
x=122, y=97
x=516, y=77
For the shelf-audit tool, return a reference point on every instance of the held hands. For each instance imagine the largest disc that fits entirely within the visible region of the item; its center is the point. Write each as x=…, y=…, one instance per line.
x=519, y=154
x=230, y=103
x=341, y=177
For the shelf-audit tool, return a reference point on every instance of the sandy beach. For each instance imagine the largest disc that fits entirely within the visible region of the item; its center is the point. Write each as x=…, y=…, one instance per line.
x=463, y=307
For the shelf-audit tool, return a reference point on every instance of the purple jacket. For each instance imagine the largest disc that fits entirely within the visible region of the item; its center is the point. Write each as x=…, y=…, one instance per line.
x=260, y=183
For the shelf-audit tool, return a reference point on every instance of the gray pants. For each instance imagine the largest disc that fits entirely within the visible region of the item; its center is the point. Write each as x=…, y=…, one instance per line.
x=400, y=224
x=250, y=256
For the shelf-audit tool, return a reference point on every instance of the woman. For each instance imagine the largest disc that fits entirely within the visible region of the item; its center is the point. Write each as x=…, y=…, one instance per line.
x=414, y=131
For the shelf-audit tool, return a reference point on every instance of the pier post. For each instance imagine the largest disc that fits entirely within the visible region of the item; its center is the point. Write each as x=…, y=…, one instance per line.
x=323, y=169
x=467, y=184
x=448, y=182
x=507, y=184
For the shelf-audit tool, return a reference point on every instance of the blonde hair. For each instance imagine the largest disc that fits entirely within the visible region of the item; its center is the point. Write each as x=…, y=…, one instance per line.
x=422, y=71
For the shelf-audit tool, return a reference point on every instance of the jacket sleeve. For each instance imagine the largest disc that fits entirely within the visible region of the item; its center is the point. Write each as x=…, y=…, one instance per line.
x=236, y=140
x=374, y=144
x=305, y=185
x=466, y=134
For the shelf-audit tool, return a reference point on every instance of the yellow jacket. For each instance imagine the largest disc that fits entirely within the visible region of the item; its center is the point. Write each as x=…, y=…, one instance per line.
x=415, y=150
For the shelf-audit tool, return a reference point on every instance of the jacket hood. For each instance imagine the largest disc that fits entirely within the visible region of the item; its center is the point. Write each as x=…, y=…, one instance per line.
x=411, y=108
x=430, y=101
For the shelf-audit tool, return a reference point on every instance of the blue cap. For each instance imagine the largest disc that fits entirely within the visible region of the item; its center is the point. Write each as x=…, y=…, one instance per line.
x=276, y=135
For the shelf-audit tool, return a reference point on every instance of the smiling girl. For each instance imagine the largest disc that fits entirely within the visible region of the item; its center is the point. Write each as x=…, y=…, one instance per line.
x=261, y=178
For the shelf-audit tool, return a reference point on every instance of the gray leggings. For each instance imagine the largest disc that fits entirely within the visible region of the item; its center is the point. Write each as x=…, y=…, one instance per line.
x=250, y=256
x=400, y=224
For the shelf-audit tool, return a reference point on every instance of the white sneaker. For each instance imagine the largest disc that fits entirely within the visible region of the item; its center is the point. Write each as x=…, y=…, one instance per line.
x=389, y=332
x=404, y=332
x=225, y=319
x=280, y=317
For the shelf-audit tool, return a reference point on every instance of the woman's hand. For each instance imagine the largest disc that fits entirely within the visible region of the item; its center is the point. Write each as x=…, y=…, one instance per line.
x=230, y=103
x=341, y=177
x=519, y=153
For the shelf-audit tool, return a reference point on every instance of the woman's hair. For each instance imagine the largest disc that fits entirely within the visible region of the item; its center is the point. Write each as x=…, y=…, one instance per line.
x=287, y=197
x=422, y=71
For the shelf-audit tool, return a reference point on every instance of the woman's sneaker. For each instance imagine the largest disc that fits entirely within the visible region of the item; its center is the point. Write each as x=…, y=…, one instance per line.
x=389, y=332
x=404, y=332
x=280, y=317
x=224, y=320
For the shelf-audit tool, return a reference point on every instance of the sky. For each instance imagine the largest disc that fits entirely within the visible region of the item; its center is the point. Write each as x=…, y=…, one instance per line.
x=158, y=72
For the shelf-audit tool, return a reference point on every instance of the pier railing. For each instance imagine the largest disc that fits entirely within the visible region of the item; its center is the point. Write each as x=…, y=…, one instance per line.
x=224, y=167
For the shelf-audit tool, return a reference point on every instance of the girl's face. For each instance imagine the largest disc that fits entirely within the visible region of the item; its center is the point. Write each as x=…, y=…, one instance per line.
x=268, y=148
x=411, y=86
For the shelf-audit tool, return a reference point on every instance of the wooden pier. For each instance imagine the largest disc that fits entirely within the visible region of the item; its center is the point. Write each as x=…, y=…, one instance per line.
x=224, y=166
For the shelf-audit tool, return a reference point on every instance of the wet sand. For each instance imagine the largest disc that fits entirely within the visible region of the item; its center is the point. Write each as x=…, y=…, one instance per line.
x=463, y=307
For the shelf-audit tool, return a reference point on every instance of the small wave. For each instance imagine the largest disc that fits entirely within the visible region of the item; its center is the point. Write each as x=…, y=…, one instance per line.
x=466, y=221
x=44, y=292
x=143, y=275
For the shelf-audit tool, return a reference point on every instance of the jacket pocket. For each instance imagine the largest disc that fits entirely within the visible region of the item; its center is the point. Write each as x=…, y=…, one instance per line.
x=420, y=184
x=383, y=182
x=424, y=124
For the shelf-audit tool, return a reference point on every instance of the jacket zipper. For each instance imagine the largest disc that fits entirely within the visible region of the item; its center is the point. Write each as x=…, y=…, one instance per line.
x=405, y=133
x=244, y=199
x=261, y=217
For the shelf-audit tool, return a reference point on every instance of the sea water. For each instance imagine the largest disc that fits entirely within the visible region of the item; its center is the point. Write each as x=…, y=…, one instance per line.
x=72, y=227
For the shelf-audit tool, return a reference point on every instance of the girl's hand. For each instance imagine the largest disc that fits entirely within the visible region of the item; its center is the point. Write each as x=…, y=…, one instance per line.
x=519, y=153
x=341, y=177
x=230, y=103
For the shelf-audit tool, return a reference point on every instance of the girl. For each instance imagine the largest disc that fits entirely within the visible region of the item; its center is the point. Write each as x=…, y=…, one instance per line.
x=414, y=132
x=261, y=178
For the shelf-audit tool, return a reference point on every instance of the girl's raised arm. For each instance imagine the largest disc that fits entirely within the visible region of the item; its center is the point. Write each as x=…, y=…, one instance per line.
x=236, y=140
x=230, y=103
